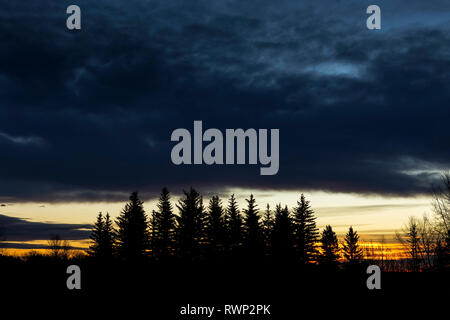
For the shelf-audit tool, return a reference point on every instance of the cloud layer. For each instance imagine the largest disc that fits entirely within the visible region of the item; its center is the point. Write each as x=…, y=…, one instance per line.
x=18, y=229
x=87, y=115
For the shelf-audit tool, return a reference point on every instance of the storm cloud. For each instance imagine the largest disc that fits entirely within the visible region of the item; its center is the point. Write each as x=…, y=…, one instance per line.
x=19, y=229
x=87, y=115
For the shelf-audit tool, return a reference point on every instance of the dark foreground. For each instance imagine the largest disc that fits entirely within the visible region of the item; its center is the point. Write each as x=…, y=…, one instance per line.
x=162, y=290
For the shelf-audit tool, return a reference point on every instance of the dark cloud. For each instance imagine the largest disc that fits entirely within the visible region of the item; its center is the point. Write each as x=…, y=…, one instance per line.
x=18, y=229
x=87, y=115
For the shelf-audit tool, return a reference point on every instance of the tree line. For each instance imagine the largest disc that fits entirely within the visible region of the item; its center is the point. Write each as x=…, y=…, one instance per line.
x=426, y=240
x=220, y=231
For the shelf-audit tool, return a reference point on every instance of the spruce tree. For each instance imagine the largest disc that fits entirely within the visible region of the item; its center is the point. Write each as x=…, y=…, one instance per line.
x=154, y=234
x=191, y=225
x=163, y=226
x=353, y=253
x=234, y=224
x=282, y=235
x=306, y=232
x=108, y=238
x=329, y=247
x=133, y=237
x=253, y=241
x=96, y=236
x=413, y=241
x=267, y=226
x=215, y=226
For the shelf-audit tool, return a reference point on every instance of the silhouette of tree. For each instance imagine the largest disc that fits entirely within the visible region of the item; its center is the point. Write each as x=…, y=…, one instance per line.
x=353, y=253
x=411, y=242
x=59, y=249
x=442, y=252
x=441, y=206
x=428, y=240
x=441, y=209
x=329, y=246
x=282, y=234
x=163, y=226
x=108, y=239
x=267, y=228
x=102, y=237
x=133, y=237
x=97, y=237
x=191, y=224
x=215, y=226
x=234, y=224
x=306, y=232
x=253, y=233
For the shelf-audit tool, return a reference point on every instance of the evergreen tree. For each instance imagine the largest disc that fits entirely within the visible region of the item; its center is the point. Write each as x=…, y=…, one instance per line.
x=133, y=237
x=234, y=224
x=108, y=238
x=96, y=236
x=306, y=232
x=282, y=234
x=253, y=234
x=267, y=226
x=102, y=237
x=191, y=224
x=163, y=226
x=352, y=251
x=154, y=234
x=215, y=226
x=329, y=246
x=413, y=241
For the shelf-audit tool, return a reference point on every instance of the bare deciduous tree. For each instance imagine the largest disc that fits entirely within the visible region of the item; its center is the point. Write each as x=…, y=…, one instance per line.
x=441, y=210
x=59, y=249
x=441, y=205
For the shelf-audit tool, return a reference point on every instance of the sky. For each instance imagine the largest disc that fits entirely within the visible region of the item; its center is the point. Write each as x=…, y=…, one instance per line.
x=86, y=116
